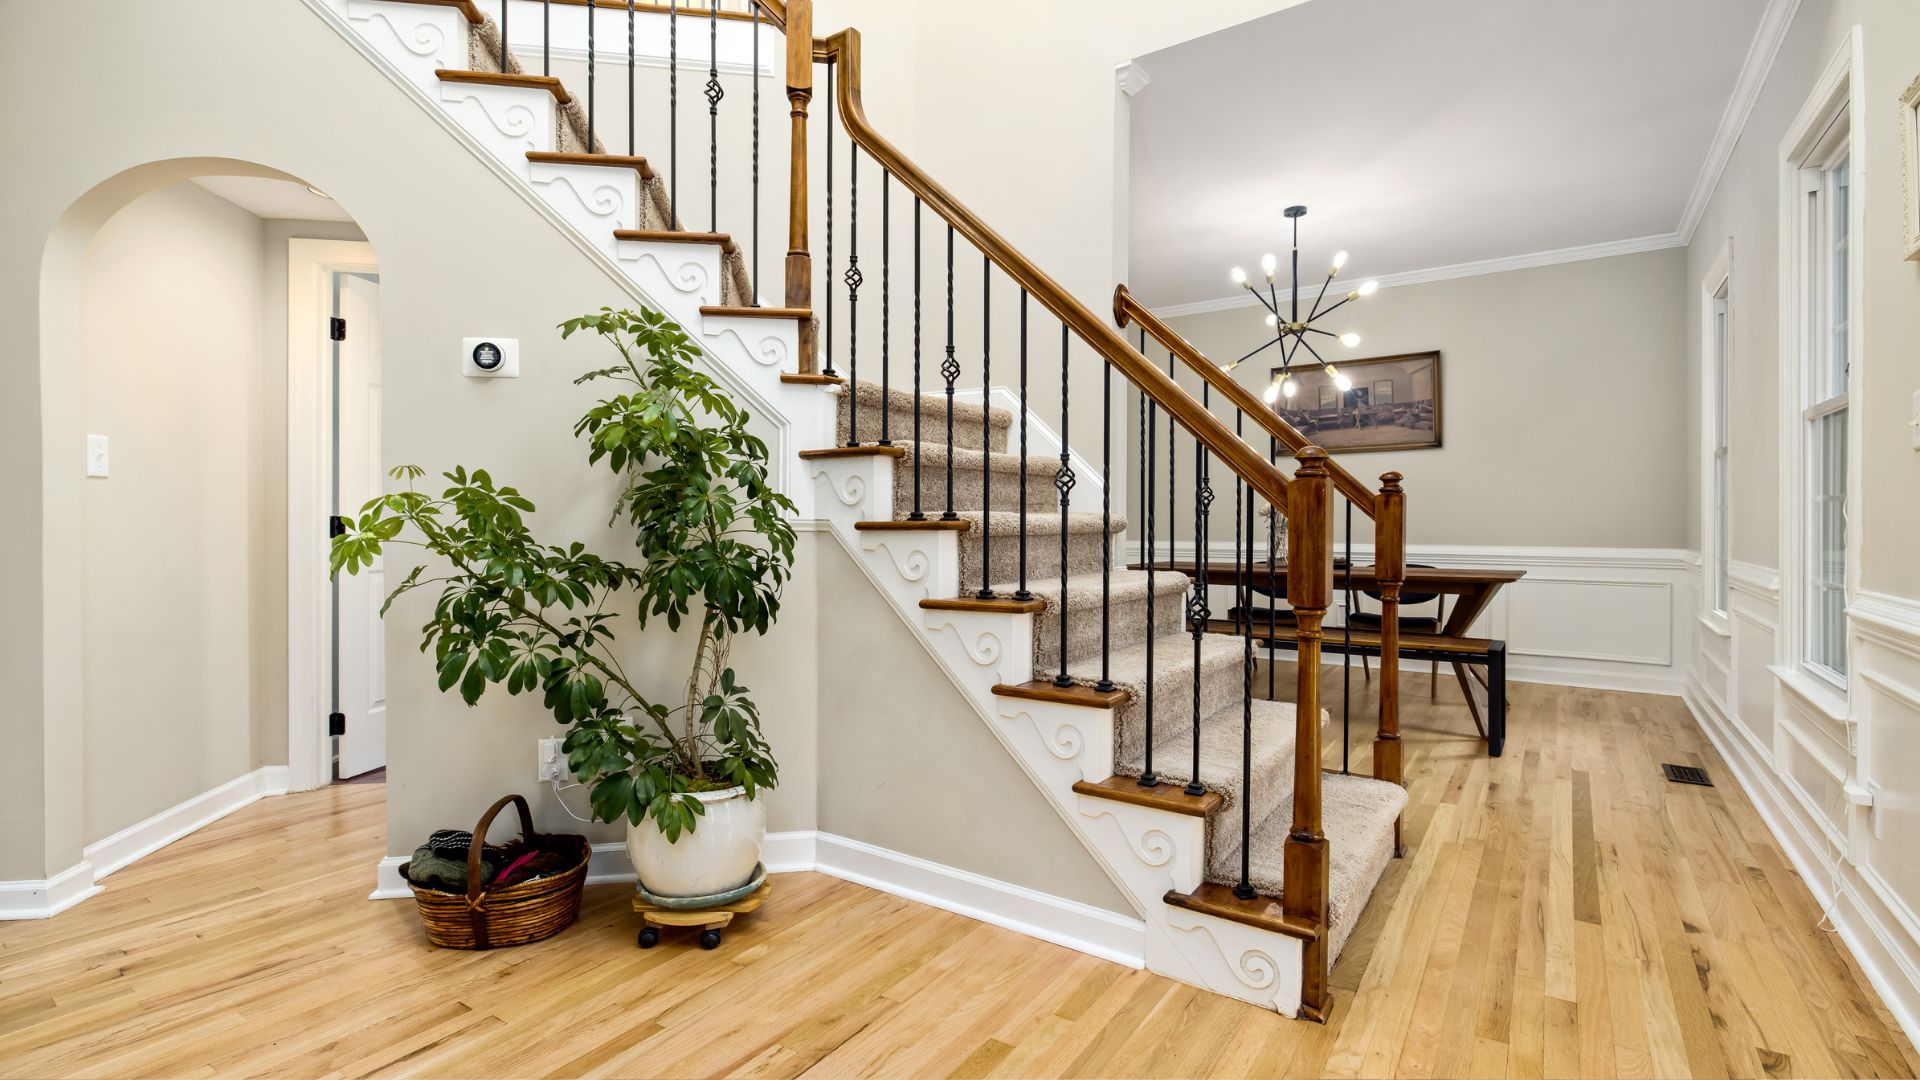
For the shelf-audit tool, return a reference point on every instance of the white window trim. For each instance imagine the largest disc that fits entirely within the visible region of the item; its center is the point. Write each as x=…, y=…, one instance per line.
x=1719, y=276
x=1842, y=86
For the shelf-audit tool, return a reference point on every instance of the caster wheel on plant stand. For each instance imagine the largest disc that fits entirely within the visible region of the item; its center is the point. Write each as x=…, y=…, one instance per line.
x=710, y=939
x=649, y=937
x=710, y=921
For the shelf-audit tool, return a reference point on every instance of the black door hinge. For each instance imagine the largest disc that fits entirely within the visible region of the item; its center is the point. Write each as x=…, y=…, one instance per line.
x=337, y=329
x=337, y=723
x=336, y=526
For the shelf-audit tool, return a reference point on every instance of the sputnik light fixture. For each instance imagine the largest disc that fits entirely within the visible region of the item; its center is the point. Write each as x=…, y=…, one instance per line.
x=1292, y=332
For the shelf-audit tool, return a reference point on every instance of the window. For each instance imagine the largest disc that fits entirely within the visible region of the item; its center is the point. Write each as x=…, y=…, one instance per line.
x=1720, y=551
x=1826, y=246
x=1383, y=392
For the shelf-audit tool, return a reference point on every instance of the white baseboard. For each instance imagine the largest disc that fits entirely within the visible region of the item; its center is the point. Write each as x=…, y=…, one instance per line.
x=1852, y=905
x=143, y=838
x=1077, y=926
x=44, y=899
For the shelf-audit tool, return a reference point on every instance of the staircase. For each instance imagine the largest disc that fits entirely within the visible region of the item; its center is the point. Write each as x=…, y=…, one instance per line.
x=1108, y=683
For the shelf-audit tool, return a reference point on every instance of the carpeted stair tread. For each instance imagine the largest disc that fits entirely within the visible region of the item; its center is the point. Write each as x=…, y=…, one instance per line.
x=1001, y=544
x=1221, y=766
x=1173, y=667
x=1356, y=816
x=969, y=483
x=1127, y=620
x=933, y=417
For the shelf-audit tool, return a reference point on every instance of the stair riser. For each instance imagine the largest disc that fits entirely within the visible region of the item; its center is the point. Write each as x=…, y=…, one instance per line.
x=1128, y=626
x=1173, y=704
x=933, y=424
x=1043, y=556
x=969, y=490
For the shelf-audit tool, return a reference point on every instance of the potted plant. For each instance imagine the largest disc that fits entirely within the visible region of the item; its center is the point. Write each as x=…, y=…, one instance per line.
x=716, y=549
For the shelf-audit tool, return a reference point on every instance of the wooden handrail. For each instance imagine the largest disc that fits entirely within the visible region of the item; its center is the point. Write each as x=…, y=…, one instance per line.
x=843, y=49
x=1128, y=309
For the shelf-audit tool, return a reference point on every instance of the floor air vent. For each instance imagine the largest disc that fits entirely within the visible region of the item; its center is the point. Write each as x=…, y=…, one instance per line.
x=1687, y=774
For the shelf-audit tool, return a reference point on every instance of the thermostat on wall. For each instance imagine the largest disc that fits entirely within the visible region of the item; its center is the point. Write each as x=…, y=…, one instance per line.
x=490, y=358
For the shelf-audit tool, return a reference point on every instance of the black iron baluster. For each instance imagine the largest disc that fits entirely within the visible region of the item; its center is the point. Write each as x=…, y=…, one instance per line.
x=853, y=279
x=673, y=111
x=756, y=152
x=1152, y=544
x=1243, y=577
x=918, y=445
x=1346, y=653
x=1140, y=547
x=632, y=56
x=832, y=74
x=504, y=5
x=592, y=20
x=1105, y=685
x=1198, y=611
x=1021, y=593
x=546, y=33
x=886, y=307
x=949, y=370
x=986, y=428
x=1273, y=574
x=1063, y=483
x=714, y=94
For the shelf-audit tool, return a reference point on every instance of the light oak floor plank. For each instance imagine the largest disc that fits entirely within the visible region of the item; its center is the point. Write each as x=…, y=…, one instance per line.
x=1564, y=911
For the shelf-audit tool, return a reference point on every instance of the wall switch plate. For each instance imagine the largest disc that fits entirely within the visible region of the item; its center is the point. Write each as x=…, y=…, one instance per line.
x=1913, y=424
x=552, y=763
x=96, y=455
x=490, y=357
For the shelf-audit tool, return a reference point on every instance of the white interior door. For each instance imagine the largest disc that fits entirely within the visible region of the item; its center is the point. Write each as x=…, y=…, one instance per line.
x=360, y=655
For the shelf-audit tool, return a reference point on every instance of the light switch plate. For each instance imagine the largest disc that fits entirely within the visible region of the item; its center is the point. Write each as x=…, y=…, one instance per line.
x=96, y=455
x=490, y=357
x=1913, y=425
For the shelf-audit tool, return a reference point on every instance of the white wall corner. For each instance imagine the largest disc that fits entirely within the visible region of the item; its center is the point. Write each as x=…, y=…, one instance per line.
x=1767, y=39
x=1131, y=77
x=43, y=899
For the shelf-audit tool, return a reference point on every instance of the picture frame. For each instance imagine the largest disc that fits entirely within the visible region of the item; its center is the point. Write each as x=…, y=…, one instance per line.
x=1393, y=404
x=1910, y=166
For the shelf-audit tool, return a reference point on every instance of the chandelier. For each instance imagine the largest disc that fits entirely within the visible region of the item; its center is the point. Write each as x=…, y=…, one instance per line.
x=1291, y=331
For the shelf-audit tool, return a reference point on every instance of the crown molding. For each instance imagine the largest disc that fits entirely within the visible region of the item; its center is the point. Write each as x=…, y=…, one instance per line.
x=1532, y=260
x=1131, y=77
x=1761, y=53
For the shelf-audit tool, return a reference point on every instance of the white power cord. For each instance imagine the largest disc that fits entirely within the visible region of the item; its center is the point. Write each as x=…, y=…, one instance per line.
x=559, y=787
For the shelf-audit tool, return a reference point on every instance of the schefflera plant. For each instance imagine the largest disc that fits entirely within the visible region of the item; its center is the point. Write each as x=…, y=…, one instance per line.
x=716, y=549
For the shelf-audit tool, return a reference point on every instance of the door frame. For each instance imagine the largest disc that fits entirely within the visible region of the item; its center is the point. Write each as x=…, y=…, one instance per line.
x=311, y=265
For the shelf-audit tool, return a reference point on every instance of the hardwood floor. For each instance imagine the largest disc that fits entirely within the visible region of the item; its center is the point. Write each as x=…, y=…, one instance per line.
x=1563, y=911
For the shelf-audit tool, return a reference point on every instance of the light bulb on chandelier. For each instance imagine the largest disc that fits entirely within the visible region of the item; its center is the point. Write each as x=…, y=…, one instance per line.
x=1350, y=339
x=1339, y=378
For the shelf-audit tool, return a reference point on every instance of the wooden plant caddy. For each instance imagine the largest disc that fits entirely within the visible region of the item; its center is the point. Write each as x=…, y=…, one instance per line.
x=711, y=920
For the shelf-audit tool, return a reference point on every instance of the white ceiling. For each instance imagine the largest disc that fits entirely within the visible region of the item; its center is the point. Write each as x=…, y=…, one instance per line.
x=276, y=199
x=1423, y=134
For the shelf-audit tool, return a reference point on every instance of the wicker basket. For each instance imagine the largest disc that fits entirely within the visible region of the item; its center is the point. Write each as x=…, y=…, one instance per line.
x=513, y=915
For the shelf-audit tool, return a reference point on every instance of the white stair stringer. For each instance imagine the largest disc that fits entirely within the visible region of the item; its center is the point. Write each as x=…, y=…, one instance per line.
x=1146, y=851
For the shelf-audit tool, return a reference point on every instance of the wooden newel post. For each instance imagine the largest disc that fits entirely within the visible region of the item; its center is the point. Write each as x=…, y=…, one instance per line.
x=799, y=93
x=1309, y=591
x=1390, y=573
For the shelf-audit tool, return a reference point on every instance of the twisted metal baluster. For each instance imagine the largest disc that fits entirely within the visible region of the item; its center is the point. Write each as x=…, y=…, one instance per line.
x=673, y=111
x=714, y=93
x=1022, y=593
x=1063, y=483
x=832, y=75
x=1198, y=611
x=632, y=57
x=853, y=280
x=591, y=52
x=1150, y=410
x=986, y=432
x=1243, y=580
x=918, y=402
x=886, y=308
x=949, y=370
x=1105, y=685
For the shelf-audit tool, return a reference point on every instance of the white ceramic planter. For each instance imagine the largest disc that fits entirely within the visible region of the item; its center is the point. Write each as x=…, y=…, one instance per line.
x=719, y=854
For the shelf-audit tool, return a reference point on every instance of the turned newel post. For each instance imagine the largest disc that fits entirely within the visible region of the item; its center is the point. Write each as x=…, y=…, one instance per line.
x=799, y=93
x=1309, y=592
x=1390, y=573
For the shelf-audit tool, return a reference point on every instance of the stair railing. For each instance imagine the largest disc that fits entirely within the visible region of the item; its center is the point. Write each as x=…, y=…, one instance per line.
x=1387, y=508
x=1305, y=499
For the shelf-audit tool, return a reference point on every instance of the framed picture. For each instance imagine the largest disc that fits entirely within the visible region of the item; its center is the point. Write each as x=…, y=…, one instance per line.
x=1910, y=160
x=1394, y=404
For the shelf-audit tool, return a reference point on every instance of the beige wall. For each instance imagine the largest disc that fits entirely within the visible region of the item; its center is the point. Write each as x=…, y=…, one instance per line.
x=175, y=537
x=1562, y=400
x=906, y=763
x=1745, y=209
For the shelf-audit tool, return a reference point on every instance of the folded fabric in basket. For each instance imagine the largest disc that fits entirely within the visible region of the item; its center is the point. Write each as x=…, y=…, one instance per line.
x=453, y=844
x=430, y=870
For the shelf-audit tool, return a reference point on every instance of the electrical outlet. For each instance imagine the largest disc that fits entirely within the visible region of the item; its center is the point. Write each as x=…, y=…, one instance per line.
x=552, y=763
